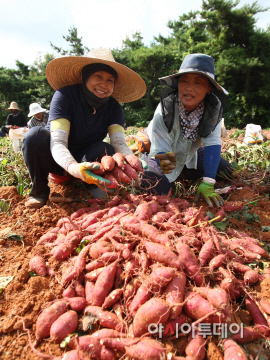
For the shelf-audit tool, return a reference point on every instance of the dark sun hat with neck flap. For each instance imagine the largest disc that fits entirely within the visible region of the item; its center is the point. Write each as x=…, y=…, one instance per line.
x=65, y=71
x=195, y=64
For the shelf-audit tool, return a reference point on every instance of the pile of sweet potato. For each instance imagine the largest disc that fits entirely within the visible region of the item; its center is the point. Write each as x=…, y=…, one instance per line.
x=149, y=265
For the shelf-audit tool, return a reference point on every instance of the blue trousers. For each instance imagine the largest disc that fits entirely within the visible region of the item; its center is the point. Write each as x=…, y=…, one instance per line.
x=39, y=161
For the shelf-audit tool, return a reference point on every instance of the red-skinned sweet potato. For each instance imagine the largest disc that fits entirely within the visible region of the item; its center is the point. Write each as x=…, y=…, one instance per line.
x=146, y=349
x=120, y=175
x=38, y=265
x=47, y=318
x=108, y=163
x=174, y=294
x=113, y=181
x=163, y=255
x=107, y=319
x=65, y=325
x=134, y=162
x=76, y=303
x=233, y=351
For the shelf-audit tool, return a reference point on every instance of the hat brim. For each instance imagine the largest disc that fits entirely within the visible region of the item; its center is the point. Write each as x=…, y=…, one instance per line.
x=41, y=110
x=14, y=109
x=65, y=71
x=169, y=79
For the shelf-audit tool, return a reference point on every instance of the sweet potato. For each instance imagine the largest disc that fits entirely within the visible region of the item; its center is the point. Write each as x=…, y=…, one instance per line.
x=172, y=327
x=160, y=217
x=48, y=317
x=89, y=287
x=220, y=214
x=108, y=163
x=206, y=252
x=160, y=277
x=38, y=265
x=163, y=255
x=65, y=325
x=217, y=297
x=119, y=160
x=107, y=319
x=113, y=181
x=107, y=333
x=130, y=172
x=196, y=347
x=104, y=259
x=120, y=175
x=265, y=305
x=230, y=206
x=104, y=284
x=134, y=162
x=76, y=303
x=217, y=261
x=88, y=344
x=79, y=289
x=47, y=238
x=143, y=294
x=64, y=250
x=196, y=307
x=112, y=298
x=249, y=334
x=259, y=320
x=143, y=211
x=233, y=351
x=174, y=294
x=93, y=275
x=251, y=277
x=118, y=343
x=155, y=311
x=69, y=292
x=146, y=349
x=99, y=248
x=190, y=264
x=78, y=265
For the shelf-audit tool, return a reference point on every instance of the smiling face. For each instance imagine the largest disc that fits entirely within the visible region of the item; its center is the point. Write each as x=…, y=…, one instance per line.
x=192, y=89
x=101, y=83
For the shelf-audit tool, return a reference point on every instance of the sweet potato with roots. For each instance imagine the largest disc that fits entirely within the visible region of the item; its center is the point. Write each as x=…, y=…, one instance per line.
x=251, y=277
x=206, y=252
x=130, y=172
x=112, y=298
x=217, y=261
x=64, y=250
x=47, y=318
x=119, y=160
x=113, y=181
x=196, y=347
x=69, y=292
x=163, y=255
x=104, y=284
x=233, y=351
x=134, y=162
x=94, y=274
x=173, y=326
x=155, y=311
x=107, y=319
x=105, y=258
x=50, y=237
x=107, y=333
x=258, y=318
x=247, y=335
x=174, y=294
x=78, y=266
x=76, y=303
x=146, y=349
x=160, y=277
x=196, y=307
x=118, y=343
x=142, y=295
x=120, y=175
x=88, y=344
x=190, y=264
x=38, y=265
x=143, y=212
x=108, y=163
x=217, y=297
x=99, y=248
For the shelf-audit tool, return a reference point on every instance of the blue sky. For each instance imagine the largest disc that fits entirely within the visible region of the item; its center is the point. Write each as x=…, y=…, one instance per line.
x=28, y=26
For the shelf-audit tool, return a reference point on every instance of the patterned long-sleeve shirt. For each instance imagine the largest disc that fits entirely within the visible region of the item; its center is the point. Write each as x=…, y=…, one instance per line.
x=35, y=122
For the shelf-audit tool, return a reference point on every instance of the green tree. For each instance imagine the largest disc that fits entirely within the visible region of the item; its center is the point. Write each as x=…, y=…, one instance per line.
x=76, y=46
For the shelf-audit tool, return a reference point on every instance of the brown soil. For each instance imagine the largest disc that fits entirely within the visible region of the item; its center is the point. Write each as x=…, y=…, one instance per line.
x=25, y=296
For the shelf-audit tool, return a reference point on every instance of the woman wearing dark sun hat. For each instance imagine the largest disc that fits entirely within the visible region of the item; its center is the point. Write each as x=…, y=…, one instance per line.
x=84, y=109
x=185, y=132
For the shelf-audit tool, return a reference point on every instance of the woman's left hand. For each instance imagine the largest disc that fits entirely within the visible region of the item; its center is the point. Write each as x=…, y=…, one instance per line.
x=207, y=191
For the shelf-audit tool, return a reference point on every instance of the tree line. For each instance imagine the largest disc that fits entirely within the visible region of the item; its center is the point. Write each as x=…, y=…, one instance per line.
x=220, y=29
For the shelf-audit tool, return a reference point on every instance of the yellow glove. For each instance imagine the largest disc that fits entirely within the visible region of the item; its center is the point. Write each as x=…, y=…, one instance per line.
x=83, y=171
x=167, y=162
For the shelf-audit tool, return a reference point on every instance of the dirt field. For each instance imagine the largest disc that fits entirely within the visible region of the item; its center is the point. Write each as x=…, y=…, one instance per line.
x=25, y=296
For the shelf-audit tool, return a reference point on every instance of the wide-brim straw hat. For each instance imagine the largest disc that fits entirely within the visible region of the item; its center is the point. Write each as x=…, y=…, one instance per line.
x=64, y=71
x=14, y=106
x=195, y=64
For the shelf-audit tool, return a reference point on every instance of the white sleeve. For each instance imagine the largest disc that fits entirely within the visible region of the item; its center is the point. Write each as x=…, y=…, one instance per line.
x=161, y=140
x=118, y=142
x=59, y=149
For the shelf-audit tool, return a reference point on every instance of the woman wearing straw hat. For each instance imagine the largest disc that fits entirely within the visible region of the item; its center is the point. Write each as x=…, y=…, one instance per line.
x=16, y=118
x=188, y=116
x=84, y=108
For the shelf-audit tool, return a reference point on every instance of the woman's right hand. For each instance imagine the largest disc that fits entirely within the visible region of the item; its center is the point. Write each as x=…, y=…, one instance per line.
x=167, y=162
x=83, y=171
